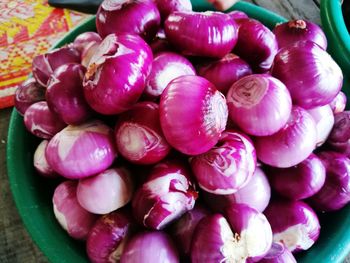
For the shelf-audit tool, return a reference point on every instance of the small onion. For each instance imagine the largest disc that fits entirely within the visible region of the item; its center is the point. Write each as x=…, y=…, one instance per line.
x=146, y=247
x=166, y=7
x=339, y=138
x=71, y=216
x=293, y=223
x=338, y=104
x=128, y=16
x=316, y=80
x=296, y=30
x=138, y=135
x=41, y=121
x=40, y=162
x=224, y=72
x=84, y=39
x=256, y=44
x=227, y=167
x=106, y=191
x=259, y=104
x=196, y=126
x=290, y=145
x=216, y=33
x=27, y=93
x=300, y=181
x=278, y=253
x=80, y=151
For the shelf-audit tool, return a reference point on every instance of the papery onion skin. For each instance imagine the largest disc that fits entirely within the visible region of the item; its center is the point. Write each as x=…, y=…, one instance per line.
x=84, y=39
x=256, y=45
x=41, y=121
x=81, y=151
x=88, y=53
x=227, y=167
x=278, y=253
x=40, y=162
x=166, y=195
x=27, y=93
x=259, y=104
x=108, y=236
x=300, y=181
x=339, y=138
x=335, y=193
x=216, y=33
x=224, y=72
x=116, y=74
x=296, y=30
x=138, y=134
x=338, y=104
x=166, y=66
x=293, y=223
x=166, y=7
x=316, y=80
x=196, y=126
x=290, y=145
x=71, y=216
x=106, y=191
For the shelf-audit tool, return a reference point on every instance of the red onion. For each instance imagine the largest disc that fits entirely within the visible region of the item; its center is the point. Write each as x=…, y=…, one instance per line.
x=146, y=247
x=256, y=44
x=71, y=216
x=84, y=39
x=278, y=253
x=215, y=33
x=324, y=119
x=224, y=72
x=116, y=74
x=167, y=194
x=138, y=135
x=140, y=17
x=339, y=138
x=196, y=126
x=293, y=223
x=166, y=7
x=40, y=162
x=80, y=151
x=237, y=14
x=300, y=181
x=106, y=191
x=44, y=65
x=338, y=104
x=290, y=145
x=295, y=30
x=108, y=236
x=228, y=167
x=28, y=93
x=160, y=43
x=166, y=66
x=259, y=104
x=309, y=72
x=335, y=193
x=65, y=94
x=42, y=122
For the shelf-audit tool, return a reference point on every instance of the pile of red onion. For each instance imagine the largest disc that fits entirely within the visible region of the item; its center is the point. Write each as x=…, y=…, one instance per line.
x=192, y=136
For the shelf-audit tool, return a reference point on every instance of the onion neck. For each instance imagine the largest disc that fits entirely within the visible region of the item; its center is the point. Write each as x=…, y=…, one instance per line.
x=297, y=24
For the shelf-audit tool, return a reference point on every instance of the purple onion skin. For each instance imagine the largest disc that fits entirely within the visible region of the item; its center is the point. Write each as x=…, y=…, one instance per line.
x=339, y=138
x=224, y=72
x=256, y=45
x=116, y=74
x=27, y=93
x=293, y=223
x=44, y=65
x=41, y=121
x=142, y=18
x=166, y=66
x=81, y=151
x=138, y=134
x=71, y=216
x=237, y=14
x=65, y=94
x=256, y=194
x=40, y=162
x=300, y=181
x=264, y=102
x=227, y=167
x=338, y=104
x=196, y=126
x=84, y=39
x=108, y=235
x=154, y=246
x=216, y=33
x=290, y=145
x=316, y=80
x=166, y=7
x=160, y=43
x=335, y=193
x=88, y=53
x=296, y=30
x=278, y=253
x=168, y=184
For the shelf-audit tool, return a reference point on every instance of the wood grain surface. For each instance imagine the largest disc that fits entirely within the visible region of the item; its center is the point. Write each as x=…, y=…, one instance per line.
x=15, y=243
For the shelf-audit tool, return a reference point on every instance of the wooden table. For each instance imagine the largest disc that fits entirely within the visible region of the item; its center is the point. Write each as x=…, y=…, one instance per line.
x=15, y=243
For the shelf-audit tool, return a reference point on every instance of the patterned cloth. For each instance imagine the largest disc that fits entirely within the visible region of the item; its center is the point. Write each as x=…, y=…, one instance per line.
x=28, y=28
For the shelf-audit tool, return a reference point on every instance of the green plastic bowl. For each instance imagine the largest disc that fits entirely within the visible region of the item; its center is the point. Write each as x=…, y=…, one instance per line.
x=33, y=194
